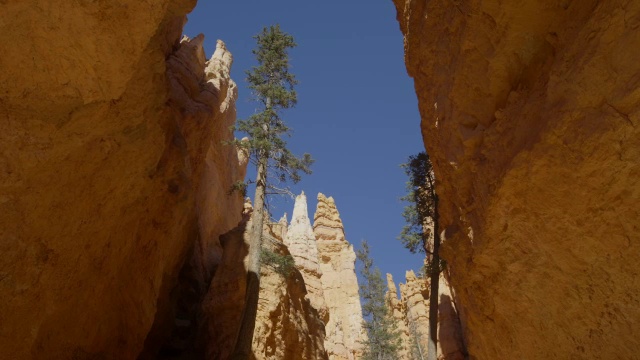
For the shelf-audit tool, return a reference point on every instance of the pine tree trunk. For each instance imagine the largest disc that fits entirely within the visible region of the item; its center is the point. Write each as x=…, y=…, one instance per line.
x=432, y=345
x=242, y=350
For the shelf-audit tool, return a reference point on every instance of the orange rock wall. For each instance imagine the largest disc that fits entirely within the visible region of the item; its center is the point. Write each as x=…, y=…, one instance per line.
x=287, y=325
x=530, y=112
x=109, y=126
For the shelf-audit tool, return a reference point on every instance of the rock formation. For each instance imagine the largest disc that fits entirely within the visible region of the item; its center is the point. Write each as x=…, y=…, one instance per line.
x=530, y=112
x=398, y=311
x=287, y=326
x=451, y=344
x=301, y=242
x=339, y=282
x=414, y=296
x=112, y=173
x=411, y=312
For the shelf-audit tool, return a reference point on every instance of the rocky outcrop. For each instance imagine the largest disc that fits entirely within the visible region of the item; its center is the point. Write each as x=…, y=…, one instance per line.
x=411, y=312
x=293, y=310
x=112, y=173
x=177, y=319
x=290, y=328
x=397, y=310
x=287, y=326
x=301, y=242
x=530, y=113
x=414, y=296
x=337, y=263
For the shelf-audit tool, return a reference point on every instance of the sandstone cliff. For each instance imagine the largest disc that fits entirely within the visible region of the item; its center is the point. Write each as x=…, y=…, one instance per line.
x=339, y=282
x=287, y=326
x=530, y=113
x=112, y=173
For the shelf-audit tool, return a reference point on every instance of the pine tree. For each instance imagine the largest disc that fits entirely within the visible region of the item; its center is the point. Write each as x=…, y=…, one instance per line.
x=422, y=232
x=383, y=340
x=272, y=86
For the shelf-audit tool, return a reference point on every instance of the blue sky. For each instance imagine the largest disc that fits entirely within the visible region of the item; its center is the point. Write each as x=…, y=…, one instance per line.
x=357, y=111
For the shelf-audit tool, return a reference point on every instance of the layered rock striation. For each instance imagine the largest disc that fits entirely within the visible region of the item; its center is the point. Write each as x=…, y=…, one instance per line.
x=112, y=173
x=339, y=281
x=530, y=114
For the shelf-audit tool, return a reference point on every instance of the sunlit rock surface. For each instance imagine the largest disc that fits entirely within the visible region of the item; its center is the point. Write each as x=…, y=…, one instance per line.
x=301, y=242
x=339, y=282
x=530, y=113
x=397, y=309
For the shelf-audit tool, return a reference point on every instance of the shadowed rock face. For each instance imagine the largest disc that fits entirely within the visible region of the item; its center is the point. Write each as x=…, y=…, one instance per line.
x=112, y=172
x=287, y=326
x=530, y=113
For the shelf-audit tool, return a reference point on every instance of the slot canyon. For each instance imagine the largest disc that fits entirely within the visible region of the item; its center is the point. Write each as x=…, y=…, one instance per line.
x=121, y=239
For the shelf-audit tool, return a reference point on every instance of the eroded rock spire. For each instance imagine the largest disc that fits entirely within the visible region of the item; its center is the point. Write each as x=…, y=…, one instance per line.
x=301, y=242
x=337, y=262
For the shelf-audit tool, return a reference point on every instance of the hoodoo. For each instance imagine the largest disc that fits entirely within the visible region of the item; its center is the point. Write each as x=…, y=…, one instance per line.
x=301, y=242
x=337, y=262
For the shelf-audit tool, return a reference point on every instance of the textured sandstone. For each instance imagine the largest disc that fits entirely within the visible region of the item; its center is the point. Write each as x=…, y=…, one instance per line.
x=398, y=311
x=451, y=344
x=414, y=295
x=301, y=242
x=111, y=167
x=339, y=282
x=287, y=326
x=530, y=113
x=411, y=312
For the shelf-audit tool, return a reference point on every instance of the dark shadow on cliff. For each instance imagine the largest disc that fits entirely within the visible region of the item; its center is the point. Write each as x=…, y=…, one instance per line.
x=175, y=326
x=221, y=308
x=450, y=332
x=201, y=312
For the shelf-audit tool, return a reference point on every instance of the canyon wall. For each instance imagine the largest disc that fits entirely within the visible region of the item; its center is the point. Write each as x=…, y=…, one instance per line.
x=530, y=114
x=287, y=325
x=339, y=282
x=113, y=176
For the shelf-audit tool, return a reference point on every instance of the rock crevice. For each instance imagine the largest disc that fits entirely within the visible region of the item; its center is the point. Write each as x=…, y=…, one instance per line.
x=112, y=173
